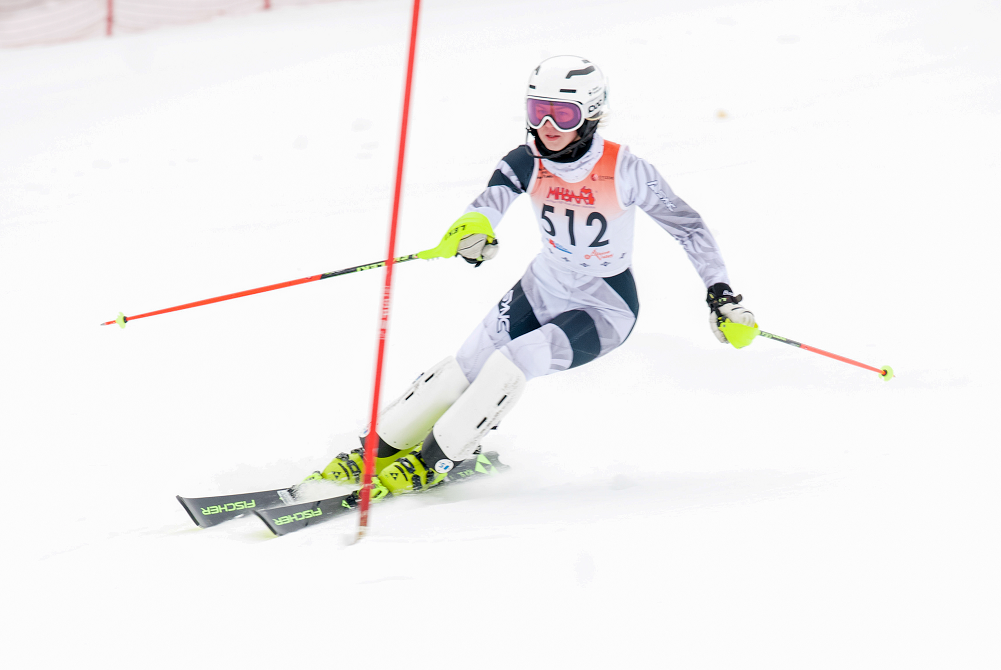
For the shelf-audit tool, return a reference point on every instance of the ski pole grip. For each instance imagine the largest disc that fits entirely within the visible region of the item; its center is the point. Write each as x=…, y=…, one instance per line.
x=469, y=223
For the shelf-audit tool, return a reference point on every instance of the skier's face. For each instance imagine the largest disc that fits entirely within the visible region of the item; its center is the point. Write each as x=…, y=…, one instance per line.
x=555, y=139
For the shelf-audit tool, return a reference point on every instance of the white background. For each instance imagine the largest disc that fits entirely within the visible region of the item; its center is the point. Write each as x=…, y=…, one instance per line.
x=678, y=503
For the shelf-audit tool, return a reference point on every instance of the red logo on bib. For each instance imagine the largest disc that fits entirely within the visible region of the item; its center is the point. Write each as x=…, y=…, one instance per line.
x=562, y=193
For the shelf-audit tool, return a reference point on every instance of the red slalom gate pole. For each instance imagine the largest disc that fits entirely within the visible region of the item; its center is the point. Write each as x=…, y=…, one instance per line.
x=372, y=441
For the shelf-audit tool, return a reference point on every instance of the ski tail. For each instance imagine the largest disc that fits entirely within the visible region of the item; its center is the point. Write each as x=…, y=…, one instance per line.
x=483, y=465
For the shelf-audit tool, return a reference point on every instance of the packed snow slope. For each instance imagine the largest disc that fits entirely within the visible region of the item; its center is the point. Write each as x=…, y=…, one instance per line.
x=678, y=503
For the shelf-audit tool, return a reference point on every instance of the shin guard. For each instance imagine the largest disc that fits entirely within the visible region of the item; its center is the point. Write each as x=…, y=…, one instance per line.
x=458, y=433
x=408, y=419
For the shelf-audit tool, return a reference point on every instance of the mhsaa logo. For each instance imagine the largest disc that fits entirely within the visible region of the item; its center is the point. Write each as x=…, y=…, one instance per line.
x=586, y=196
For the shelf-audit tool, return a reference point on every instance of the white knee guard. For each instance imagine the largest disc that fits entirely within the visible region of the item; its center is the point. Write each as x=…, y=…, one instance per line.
x=486, y=401
x=409, y=418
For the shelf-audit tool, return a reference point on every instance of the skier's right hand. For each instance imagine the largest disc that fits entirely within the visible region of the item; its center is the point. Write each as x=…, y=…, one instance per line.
x=471, y=236
x=477, y=242
x=477, y=248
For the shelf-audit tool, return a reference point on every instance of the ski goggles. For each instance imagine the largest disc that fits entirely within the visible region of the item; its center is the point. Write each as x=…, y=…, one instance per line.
x=564, y=114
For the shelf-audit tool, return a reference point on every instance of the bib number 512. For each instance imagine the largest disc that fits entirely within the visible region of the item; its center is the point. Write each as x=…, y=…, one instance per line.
x=550, y=227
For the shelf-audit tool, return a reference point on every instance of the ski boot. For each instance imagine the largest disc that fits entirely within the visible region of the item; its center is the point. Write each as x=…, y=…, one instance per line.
x=347, y=468
x=409, y=474
x=344, y=469
x=379, y=490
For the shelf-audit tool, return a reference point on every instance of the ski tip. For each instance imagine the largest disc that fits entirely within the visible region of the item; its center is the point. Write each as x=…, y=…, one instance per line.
x=184, y=504
x=887, y=373
x=277, y=531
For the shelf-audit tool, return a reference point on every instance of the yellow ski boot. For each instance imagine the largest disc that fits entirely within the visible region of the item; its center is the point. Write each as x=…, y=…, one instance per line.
x=346, y=468
x=409, y=474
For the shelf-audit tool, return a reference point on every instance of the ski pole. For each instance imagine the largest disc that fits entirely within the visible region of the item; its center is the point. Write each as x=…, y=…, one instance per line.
x=447, y=248
x=740, y=336
x=122, y=319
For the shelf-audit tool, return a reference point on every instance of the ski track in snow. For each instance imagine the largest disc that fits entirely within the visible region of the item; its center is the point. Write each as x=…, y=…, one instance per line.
x=675, y=504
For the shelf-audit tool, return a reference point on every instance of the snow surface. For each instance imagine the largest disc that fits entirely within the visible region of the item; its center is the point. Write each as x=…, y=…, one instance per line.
x=676, y=504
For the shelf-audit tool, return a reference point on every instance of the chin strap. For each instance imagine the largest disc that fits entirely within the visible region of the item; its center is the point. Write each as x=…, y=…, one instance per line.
x=583, y=140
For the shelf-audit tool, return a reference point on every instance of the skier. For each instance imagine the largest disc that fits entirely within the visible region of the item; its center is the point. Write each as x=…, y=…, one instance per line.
x=577, y=299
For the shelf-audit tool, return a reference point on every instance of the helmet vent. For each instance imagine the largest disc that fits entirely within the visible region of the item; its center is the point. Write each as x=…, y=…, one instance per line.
x=567, y=90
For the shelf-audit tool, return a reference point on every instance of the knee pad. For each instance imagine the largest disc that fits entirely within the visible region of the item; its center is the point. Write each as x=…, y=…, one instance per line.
x=408, y=419
x=458, y=433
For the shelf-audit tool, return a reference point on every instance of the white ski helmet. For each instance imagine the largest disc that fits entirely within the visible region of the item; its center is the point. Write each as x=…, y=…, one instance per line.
x=566, y=79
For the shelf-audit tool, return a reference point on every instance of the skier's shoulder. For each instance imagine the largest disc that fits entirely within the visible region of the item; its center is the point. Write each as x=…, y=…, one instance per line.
x=635, y=175
x=624, y=155
x=514, y=169
x=624, y=158
x=632, y=169
x=521, y=160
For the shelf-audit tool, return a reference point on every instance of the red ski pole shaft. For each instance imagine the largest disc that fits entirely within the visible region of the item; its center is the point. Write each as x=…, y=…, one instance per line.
x=886, y=372
x=122, y=319
x=372, y=441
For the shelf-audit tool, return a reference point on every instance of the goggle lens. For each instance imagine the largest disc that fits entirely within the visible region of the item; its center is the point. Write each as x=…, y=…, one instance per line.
x=566, y=116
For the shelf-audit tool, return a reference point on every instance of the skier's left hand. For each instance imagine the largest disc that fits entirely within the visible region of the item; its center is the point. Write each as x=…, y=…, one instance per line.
x=723, y=305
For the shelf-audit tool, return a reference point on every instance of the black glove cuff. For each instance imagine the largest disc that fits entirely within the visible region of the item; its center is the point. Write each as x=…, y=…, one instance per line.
x=721, y=294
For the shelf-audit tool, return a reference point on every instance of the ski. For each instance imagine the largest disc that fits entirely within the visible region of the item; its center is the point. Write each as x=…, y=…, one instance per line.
x=213, y=510
x=289, y=518
x=284, y=520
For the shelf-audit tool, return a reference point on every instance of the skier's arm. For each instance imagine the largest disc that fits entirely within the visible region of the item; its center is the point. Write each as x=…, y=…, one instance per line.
x=645, y=187
x=509, y=180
